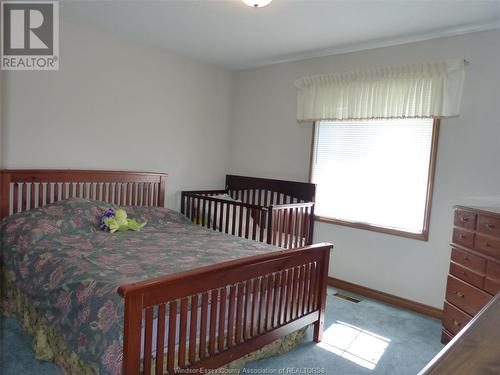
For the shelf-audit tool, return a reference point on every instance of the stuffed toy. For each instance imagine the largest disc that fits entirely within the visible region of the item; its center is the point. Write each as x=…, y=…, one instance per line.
x=117, y=221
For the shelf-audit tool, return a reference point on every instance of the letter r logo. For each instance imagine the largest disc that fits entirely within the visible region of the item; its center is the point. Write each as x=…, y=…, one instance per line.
x=27, y=28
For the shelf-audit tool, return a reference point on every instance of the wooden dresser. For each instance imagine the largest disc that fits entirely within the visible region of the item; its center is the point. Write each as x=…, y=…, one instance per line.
x=474, y=268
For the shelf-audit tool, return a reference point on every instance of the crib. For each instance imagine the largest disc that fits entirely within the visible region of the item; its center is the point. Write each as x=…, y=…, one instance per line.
x=276, y=212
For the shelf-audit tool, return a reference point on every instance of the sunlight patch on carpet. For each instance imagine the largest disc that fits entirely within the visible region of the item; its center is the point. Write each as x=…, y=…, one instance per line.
x=354, y=344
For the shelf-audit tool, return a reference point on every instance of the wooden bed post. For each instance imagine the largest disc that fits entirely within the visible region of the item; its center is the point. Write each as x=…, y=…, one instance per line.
x=132, y=334
x=323, y=282
x=161, y=193
x=4, y=194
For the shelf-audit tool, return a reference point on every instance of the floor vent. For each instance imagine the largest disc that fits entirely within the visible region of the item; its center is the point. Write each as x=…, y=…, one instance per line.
x=343, y=296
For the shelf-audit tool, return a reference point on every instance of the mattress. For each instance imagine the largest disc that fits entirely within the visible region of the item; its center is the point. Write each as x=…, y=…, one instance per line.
x=70, y=272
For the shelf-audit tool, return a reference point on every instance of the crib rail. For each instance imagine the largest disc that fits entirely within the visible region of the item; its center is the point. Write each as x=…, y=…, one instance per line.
x=216, y=314
x=285, y=225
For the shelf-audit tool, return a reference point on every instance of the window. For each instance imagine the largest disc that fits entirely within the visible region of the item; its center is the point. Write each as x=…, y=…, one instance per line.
x=375, y=174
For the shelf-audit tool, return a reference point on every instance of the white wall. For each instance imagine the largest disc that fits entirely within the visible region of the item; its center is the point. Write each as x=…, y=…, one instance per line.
x=118, y=105
x=267, y=141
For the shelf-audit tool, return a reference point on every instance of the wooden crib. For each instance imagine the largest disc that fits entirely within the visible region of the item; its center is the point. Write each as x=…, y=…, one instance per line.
x=272, y=211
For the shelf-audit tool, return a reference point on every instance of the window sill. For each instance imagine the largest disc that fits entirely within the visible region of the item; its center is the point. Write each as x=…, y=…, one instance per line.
x=424, y=236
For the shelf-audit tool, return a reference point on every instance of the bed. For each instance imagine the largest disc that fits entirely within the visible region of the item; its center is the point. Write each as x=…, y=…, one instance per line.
x=208, y=300
x=273, y=211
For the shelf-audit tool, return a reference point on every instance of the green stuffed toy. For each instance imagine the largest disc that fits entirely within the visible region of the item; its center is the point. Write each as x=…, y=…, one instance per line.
x=117, y=221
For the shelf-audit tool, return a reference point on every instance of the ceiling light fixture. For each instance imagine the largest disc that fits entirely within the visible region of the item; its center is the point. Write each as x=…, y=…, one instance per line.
x=257, y=3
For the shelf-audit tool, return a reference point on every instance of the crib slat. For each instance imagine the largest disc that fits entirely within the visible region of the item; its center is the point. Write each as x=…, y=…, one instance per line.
x=148, y=337
x=182, y=332
x=230, y=320
x=213, y=321
x=160, y=339
x=193, y=325
x=240, y=221
x=239, y=313
x=203, y=329
x=172, y=325
x=56, y=192
x=302, y=282
x=276, y=296
x=221, y=215
x=209, y=216
x=286, y=227
x=222, y=319
x=247, y=226
x=228, y=207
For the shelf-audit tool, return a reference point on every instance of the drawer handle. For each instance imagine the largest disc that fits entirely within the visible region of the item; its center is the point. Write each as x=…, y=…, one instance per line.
x=463, y=236
x=490, y=226
x=464, y=219
x=456, y=323
x=464, y=273
x=459, y=295
x=467, y=259
x=487, y=244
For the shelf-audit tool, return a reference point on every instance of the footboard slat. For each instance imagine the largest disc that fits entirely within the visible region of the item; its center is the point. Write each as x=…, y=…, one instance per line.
x=213, y=321
x=193, y=326
x=172, y=330
x=148, y=337
x=204, y=324
x=182, y=332
x=245, y=304
x=160, y=342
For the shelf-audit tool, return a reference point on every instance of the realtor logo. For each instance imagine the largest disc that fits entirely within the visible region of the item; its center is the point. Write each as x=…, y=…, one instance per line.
x=30, y=35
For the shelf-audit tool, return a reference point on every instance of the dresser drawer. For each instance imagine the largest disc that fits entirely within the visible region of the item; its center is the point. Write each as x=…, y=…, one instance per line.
x=492, y=286
x=465, y=296
x=463, y=237
x=487, y=245
x=466, y=274
x=488, y=225
x=465, y=219
x=493, y=270
x=454, y=319
x=468, y=260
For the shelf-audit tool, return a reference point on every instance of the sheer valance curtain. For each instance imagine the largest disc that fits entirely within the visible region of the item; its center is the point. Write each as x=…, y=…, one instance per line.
x=425, y=90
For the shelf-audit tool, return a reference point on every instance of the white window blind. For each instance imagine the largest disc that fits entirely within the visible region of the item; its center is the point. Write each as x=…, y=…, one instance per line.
x=373, y=172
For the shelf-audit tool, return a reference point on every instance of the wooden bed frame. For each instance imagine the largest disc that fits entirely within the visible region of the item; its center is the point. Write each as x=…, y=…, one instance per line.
x=241, y=305
x=277, y=212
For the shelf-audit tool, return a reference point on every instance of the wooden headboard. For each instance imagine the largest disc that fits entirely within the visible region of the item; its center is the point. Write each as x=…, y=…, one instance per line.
x=23, y=189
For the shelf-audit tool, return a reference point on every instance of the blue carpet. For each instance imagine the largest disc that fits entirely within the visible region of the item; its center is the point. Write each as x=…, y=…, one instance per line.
x=368, y=337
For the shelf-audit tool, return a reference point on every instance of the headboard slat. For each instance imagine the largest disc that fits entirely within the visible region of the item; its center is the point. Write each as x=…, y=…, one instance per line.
x=18, y=187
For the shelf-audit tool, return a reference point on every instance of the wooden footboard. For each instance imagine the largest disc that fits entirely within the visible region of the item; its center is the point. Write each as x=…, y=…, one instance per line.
x=213, y=315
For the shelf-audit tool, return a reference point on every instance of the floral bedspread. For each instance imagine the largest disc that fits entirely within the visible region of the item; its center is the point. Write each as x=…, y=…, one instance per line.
x=70, y=272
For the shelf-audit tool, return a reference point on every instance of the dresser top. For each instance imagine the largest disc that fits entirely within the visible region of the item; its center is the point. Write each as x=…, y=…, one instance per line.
x=481, y=210
x=475, y=349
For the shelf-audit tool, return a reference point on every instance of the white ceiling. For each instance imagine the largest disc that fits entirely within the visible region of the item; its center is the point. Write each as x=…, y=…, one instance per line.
x=230, y=34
